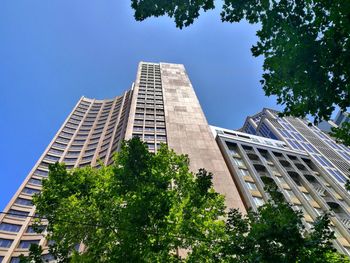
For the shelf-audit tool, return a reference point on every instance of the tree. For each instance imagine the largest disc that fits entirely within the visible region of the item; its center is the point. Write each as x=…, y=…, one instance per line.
x=275, y=233
x=305, y=44
x=143, y=208
x=148, y=207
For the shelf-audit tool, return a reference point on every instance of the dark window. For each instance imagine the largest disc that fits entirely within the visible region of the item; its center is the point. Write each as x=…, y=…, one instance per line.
x=17, y=213
x=10, y=227
x=6, y=243
x=22, y=201
x=27, y=243
x=30, y=191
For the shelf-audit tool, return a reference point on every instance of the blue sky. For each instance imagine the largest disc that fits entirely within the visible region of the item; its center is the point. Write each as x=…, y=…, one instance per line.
x=53, y=52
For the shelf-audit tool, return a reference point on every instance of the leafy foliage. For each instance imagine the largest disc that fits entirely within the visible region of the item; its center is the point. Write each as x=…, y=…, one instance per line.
x=150, y=208
x=35, y=252
x=183, y=11
x=143, y=208
x=274, y=233
x=305, y=43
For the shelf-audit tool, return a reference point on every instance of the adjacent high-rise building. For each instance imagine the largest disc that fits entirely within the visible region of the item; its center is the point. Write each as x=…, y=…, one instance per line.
x=161, y=107
x=255, y=161
x=342, y=117
x=300, y=134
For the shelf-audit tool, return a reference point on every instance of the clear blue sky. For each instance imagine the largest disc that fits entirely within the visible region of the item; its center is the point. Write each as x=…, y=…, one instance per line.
x=53, y=52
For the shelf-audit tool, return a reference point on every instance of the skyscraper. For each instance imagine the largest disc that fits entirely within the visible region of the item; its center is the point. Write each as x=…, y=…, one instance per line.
x=342, y=117
x=300, y=134
x=255, y=161
x=326, y=126
x=161, y=107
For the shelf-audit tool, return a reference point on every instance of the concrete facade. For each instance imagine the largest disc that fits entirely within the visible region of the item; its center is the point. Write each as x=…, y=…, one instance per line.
x=254, y=160
x=301, y=134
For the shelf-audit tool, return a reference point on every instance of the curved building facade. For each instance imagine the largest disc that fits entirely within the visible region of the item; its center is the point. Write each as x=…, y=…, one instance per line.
x=90, y=135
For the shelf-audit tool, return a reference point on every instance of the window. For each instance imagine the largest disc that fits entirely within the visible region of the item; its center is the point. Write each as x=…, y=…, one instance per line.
x=33, y=230
x=238, y=162
x=27, y=243
x=70, y=160
x=10, y=227
x=244, y=172
x=35, y=181
x=87, y=158
x=149, y=137
x=280, y=179
x=54, y=151
x=150, y=146
x=41, y=172
x=22, y=201
x=6, y=243
x=52, y=158
x=161, y=137
x=17, y=213
x=92, y=145
x=76, y=147
x=149, y=128
x=290, y=193
x=258, y=201
x=15, y=260
x=30, y=191
x=79, y=141
x=59, y=145
x=251, y=186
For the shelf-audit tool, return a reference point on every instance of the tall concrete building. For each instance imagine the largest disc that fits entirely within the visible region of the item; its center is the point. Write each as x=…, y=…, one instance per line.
x=307, y=185
x=300, y=134
x=160, y=107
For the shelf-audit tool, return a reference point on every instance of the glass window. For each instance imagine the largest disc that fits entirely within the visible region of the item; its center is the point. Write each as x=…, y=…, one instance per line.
x=30, y=229
x=308, y=196
x=6, y=243
x=290, y=193
x=244, y=172
x=22, y=201
x=17, y=213
x=27, y=243
x=15, y=260
x=251, y=186
x=35, y=181
x=238, y=162
x=10, y=227
x=161, y=137
x=151, y=146
x=280, y=179
x=30, y=191
x=258, y=201
x=41, y=173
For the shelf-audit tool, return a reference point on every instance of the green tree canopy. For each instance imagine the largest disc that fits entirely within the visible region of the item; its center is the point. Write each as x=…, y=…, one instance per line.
x=143, y=208
x=275, y=233
x=305, y=45
x=150, y=208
